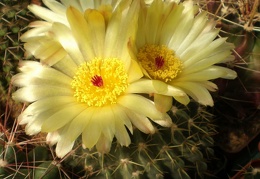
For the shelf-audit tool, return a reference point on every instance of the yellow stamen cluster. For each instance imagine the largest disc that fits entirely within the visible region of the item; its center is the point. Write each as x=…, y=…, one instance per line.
x=160, y=62
x=100, y=82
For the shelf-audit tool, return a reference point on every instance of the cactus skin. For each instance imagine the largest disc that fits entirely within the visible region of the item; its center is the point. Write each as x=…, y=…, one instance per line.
x=237, y=102
x=181, y=151
x=14, y=18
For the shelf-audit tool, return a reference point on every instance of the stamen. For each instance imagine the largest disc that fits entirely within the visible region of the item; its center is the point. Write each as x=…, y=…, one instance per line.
x=100, y=82
x=159, y=62
x=97, y=81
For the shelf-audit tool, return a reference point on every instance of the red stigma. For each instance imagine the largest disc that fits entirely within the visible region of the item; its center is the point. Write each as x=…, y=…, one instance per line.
x=159, y=62
x=97, y=81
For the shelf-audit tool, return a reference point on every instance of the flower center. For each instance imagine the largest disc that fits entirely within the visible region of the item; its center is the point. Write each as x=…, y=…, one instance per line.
x=97, y=81
x=160, y=62
x=100, y=82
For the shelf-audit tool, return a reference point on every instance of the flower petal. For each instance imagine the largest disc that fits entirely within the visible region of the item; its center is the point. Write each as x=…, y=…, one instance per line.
x=79, y=123
x=134, y=72
x=182, y=30
x=47, y=14
x=146, y=107
x=55, y=6
x=121, y=133
x=64, y=146
x=103, y=144
x=141, y=122
x=197, y=92
x=209, y=73
x=64, y=36
x=107, y=121
x=52, y=138
x=76, y=4
x=66, y=66
x=96, y=23
x=81, y=32
x=34, y=126
x=39, y=31
x=35, y=92
x=42, y=76
x=120, y=113
x=162, y=103
x=62, y=117
x=31, y=112
x=93, y=130
x=154, y=86
x=198, y=25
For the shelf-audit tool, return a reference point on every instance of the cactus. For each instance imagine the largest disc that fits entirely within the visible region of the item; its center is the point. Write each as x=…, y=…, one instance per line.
x=237, y=102
x=182, y=151
x=14, y=19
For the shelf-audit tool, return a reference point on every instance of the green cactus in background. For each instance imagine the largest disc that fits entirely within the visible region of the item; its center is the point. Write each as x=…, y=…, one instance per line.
x=14, y=20
x=182, y=151
x=237, y=103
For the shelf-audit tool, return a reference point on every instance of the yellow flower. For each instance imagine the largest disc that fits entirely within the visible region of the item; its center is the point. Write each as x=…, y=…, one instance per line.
x=178, y=45
x=84, y=83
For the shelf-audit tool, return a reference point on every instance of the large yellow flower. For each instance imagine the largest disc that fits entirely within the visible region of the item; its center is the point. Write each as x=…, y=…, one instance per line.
x=178, y=45
x=84, y=82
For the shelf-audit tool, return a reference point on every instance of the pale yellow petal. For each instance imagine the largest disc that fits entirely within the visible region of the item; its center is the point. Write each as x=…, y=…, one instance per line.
x=182, y=99
x=96, y=24
x=182, y=30
x=79, y=123
x=141, y=105
x=162, y=103
x=46, y=76
x=52, y=138
x=134, y=72
x=55, y=6
x=47, y=14
x=64, y=35
x=36, y=32
x=201, y=48
x=92, y=132
x=197, y=92
x=62, y=117
x=35, y=92
x=209, y=73
x=32, y=111
x=103, y=144
x=81, y=32
x=64, y=146
x=75, y=3
x=141, y=122
x=154, y=86
x=66, y=66
x=199, y=23
x=107, y=119
x=121, y=133
x=34, y=125
x=120, y=113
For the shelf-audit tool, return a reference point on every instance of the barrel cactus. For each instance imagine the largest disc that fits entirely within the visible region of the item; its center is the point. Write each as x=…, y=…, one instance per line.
x=177, y=145
x=237, y=102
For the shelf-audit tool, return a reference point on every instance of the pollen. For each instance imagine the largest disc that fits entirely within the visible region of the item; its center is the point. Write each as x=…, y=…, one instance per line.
x=100, y=82
x=160, y=62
